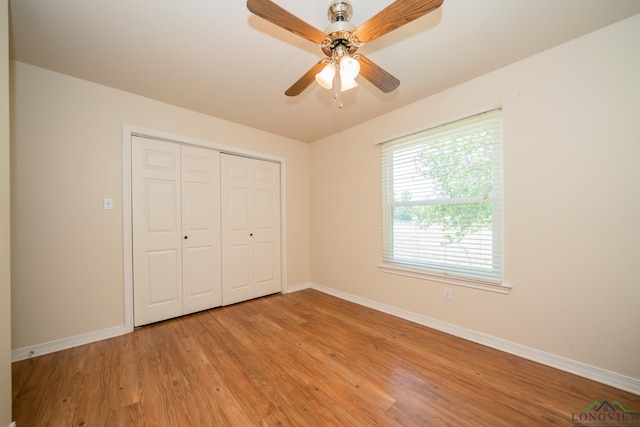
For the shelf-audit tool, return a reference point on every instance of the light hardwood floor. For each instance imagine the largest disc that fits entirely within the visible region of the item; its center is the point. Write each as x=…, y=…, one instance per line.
x=301, y=359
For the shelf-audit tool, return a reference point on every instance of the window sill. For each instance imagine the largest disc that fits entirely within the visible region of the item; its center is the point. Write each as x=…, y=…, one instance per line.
x=449, y=279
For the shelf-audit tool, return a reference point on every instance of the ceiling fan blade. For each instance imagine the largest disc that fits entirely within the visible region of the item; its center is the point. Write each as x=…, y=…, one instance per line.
x=393, y=16
x=304, y=81
x=376, y=75
x=273, y=13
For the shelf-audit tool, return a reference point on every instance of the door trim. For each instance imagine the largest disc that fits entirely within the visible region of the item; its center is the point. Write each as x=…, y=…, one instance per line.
x=128, y=131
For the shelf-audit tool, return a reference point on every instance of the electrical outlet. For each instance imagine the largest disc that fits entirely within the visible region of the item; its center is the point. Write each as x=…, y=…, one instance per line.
x=448, y=294
x=107, y=204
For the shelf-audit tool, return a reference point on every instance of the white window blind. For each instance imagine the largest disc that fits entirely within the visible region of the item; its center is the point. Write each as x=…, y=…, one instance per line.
x=442, y=200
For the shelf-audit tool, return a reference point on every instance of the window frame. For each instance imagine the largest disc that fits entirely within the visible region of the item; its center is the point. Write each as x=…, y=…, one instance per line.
x=423, y=270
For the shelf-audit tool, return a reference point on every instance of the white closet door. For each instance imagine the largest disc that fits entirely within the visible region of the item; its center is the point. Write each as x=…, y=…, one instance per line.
x=157, y=237
x=176, y=230
x=250, y=205
x=266, y=226
x=201, y=287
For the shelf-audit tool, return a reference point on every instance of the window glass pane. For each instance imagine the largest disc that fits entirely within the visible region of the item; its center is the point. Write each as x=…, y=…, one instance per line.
x=442, y=193
x=457, y=235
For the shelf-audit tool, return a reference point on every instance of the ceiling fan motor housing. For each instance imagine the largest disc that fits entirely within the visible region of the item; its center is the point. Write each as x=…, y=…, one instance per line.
x=340, y=31
x=340, y=10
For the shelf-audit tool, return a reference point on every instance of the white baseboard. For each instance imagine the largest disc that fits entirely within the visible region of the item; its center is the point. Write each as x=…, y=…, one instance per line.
x=65, y=343
x=298, y=287
x=613, y=379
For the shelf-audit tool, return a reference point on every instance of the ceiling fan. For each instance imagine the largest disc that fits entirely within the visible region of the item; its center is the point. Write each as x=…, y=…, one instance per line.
x=341, y=39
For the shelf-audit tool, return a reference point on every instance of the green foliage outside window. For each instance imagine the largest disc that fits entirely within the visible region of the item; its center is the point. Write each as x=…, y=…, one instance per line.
x=454, y=168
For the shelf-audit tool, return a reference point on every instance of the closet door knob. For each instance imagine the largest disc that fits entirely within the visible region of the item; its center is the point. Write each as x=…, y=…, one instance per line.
x=186, y=237
x=251, y=234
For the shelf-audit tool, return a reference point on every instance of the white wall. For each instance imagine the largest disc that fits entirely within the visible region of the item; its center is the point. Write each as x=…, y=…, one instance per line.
x=5, y=276
x=67, y=252
x=572, y=204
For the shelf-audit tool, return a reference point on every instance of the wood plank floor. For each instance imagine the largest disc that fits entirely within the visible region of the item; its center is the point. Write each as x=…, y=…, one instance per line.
x=301, y=359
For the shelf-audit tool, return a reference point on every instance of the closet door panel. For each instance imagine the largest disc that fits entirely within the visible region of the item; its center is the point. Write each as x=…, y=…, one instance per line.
x=237, y=247
x=199, y=274
x=201, y=285
x=162, y=270
x=250, y=228
x=267, y=225
x=157, y=249
x=176, y=229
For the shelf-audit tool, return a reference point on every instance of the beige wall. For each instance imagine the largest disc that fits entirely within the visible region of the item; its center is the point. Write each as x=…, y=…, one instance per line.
x=5, y=276
x=67, y=252
x=572, y=204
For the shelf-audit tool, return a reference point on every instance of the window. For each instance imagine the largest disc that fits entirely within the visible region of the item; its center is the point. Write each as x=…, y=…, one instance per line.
x=442, y=201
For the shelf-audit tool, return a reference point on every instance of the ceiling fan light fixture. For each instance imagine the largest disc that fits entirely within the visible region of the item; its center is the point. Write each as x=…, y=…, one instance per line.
x=342, y=38
x=325, y=77
x=349, y=67
x=347, y=83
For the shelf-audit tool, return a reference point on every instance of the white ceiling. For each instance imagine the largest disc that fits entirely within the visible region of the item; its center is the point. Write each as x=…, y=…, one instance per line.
x=217, y=58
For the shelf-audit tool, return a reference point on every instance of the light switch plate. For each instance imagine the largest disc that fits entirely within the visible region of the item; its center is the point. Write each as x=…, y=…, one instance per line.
x=107, y=204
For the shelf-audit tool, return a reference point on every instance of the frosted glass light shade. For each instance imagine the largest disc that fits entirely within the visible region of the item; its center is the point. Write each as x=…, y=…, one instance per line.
x=325, y=77
x=347, y=83
x=349, y=67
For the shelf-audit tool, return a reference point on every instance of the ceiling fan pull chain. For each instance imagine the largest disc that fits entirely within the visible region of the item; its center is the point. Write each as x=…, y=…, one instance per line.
x=337, y=84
